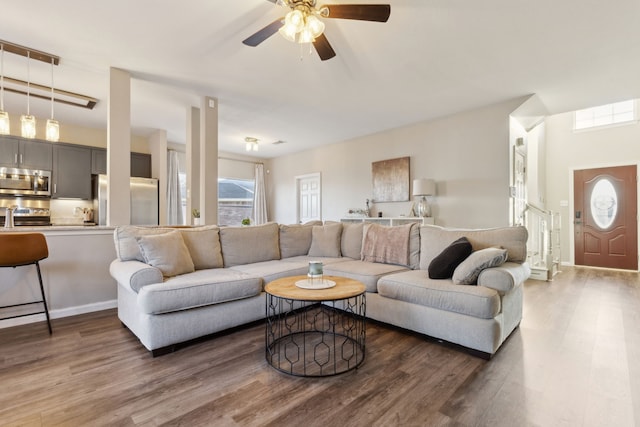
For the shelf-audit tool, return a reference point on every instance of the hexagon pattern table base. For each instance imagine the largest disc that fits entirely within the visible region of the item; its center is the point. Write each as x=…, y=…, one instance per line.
x=316, y=333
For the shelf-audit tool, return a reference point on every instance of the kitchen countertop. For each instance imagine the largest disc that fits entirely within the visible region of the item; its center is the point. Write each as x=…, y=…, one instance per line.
x=58, y=229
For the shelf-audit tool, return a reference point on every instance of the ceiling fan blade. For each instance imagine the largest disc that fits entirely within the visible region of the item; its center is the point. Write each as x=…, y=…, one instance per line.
x=324, y=49
x=361, y=12
x=257, y=38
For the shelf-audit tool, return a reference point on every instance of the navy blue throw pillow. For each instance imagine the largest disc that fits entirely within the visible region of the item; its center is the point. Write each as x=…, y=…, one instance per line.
x=443, y=266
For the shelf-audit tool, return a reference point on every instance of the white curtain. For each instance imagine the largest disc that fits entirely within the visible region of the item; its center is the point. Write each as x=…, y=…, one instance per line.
x=174, y=198
x=259, y=197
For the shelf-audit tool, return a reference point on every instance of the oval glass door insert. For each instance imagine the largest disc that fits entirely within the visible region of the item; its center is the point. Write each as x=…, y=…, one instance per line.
x=604, y=203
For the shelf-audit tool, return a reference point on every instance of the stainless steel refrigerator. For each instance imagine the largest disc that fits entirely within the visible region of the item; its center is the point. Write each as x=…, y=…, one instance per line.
x=144, y=200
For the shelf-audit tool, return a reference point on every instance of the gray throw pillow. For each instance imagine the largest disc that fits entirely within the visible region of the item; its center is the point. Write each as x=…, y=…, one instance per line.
x=325, y=240
x=167, y=252
x=204, y=246
x=351, y=243
x=295, y=240
x=468, y=271
x=246, y=245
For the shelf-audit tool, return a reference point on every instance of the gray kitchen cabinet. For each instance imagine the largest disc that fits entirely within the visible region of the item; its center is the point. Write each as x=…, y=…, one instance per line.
x=98, y=161
x=140, y=163
x=18, y=152
x=71, y=172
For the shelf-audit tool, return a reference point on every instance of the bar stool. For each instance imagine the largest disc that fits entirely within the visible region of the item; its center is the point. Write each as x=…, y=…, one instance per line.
x=20, y=249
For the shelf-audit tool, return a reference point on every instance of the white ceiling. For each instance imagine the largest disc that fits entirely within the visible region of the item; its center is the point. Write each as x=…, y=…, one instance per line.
x=432, y=58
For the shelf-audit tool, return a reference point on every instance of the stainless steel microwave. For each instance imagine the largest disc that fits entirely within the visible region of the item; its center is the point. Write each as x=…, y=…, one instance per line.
x=25, y=182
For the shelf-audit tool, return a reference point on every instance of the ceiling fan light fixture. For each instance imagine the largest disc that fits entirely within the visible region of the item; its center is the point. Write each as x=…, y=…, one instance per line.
x=306, y=36
x=315, y=26
x=288, y=32
x=295, y=19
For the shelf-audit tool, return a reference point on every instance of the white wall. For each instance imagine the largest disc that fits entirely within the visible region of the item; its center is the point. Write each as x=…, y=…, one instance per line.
x=568, y=150
x=466, y=153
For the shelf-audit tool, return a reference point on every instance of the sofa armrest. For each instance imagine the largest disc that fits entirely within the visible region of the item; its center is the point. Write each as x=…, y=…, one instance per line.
x=505, y=277
x=136, y=274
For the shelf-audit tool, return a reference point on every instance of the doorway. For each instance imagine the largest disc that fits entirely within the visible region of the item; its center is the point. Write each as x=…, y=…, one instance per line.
x=605, y=217
x=308, y=195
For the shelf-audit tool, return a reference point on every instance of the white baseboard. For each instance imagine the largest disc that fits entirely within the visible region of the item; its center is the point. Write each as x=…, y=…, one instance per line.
x=59, y=313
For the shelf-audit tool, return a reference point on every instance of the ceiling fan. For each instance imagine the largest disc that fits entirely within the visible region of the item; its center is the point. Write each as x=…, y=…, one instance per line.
x=303, y=23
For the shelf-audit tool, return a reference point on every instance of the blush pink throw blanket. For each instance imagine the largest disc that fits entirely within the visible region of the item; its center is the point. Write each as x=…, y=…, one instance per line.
x=386, y=244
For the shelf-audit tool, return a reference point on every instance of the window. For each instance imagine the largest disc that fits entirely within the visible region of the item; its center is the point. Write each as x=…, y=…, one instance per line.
x=610, y=114
x=235, y=200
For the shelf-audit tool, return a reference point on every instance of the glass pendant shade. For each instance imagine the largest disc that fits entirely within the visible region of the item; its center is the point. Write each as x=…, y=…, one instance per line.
x=295, y=19
x=288, y=32
x=28, y=123
x=315, y=25
x=306, y=36
x=5, y=125
x=53, y=130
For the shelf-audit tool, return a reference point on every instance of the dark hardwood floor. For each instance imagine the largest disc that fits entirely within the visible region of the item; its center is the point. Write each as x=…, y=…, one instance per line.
x=575, y=360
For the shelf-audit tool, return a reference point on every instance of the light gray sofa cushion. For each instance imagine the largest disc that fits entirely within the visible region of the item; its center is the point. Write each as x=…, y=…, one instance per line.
x=272, y=270
x=351, y=242
x=202, y=287
x=134, y=273
x=467, y=272
x=504, y=278
x=325, y=240
x=417, y=288
x=167, y=252
x=245, y=245
x=434, y=239
x=295, y=239
x=124, y=238
x=363, y=271
x=204, y=246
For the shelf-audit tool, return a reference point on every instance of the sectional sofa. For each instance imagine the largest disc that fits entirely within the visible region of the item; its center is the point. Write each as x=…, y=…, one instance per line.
x=179, y=284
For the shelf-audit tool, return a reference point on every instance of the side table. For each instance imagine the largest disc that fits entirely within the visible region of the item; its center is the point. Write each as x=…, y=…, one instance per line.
x=315, y=332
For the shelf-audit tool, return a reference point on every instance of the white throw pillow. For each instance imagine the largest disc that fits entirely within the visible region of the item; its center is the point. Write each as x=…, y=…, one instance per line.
x=467, y=272
x=167, y=252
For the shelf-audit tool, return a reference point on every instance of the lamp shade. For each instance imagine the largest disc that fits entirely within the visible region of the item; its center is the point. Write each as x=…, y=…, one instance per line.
x=424, y=187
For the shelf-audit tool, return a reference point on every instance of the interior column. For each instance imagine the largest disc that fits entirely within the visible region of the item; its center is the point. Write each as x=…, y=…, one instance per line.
x=158, y=148
x=118, y=148
x=193, y=162
x=209, y=160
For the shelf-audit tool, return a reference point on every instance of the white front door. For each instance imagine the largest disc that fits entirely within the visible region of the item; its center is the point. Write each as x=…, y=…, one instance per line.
x=308, y=198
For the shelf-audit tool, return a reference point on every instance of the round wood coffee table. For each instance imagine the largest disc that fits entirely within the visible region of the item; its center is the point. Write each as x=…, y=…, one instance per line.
x=315, y=332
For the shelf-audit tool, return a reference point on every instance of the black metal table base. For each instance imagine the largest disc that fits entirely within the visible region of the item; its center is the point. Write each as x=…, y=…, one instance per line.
x=315, y=340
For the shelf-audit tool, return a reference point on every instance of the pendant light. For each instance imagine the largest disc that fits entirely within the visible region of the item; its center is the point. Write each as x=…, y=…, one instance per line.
x=5, y=125
x=28, y=121
x=53, y=128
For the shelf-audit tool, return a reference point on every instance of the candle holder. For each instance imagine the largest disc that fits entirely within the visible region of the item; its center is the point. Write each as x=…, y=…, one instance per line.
x=315, y=274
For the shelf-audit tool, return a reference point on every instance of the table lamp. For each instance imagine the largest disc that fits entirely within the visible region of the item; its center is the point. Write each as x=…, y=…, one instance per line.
x=422, y=188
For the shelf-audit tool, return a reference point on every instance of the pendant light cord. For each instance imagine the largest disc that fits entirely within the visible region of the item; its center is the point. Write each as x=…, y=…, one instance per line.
x=51, y=88
x=1, y=77
x=28, y=82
